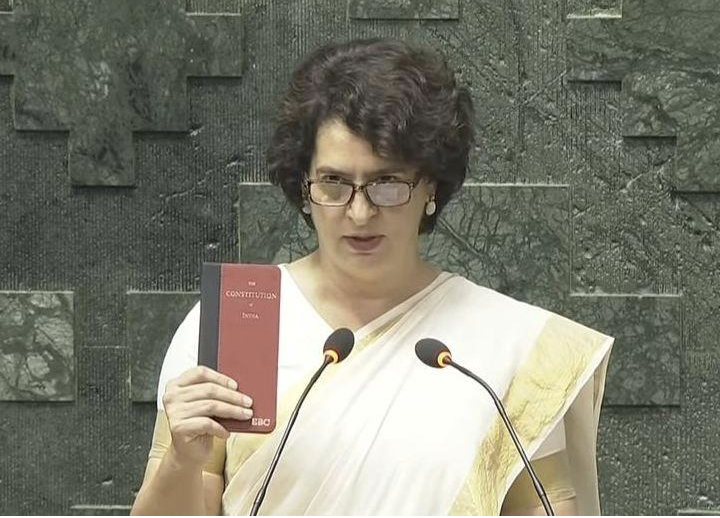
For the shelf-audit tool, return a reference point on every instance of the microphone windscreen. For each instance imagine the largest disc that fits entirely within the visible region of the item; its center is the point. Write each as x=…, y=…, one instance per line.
x=429, y=350
x=341, y=341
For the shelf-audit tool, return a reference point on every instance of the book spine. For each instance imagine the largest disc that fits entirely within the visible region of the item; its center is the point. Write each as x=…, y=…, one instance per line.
x=209, y=315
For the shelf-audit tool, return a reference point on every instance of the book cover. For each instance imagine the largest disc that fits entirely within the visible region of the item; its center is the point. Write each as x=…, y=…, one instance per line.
x=239, y=334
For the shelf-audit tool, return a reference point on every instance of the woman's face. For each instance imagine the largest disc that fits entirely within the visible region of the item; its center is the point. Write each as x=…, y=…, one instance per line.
x=341, y=154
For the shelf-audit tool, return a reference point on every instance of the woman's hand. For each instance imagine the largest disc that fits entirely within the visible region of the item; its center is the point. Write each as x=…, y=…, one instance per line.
x=191, y=401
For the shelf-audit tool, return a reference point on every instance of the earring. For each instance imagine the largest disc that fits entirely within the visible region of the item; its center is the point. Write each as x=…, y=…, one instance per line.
x=430, y=207
x=306, y=208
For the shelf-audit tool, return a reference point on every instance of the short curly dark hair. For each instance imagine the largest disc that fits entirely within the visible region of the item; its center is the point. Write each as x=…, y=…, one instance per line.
x=403, y=100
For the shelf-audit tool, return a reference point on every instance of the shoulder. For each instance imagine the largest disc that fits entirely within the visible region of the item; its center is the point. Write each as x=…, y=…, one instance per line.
x=182, y=353
x=185, y=339
x=463, y=292
x=491, y=313
x=191, y=320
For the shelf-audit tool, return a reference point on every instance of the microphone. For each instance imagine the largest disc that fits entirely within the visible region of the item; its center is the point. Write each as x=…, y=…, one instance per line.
x=435, y=354
x=337, y=347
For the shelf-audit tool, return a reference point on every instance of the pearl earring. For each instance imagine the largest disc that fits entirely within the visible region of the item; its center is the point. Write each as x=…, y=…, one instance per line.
x=430, y=207
x=306, y=208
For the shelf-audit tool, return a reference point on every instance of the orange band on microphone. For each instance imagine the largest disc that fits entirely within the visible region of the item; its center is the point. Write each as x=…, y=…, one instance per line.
x=333, y=355
x=442, y=357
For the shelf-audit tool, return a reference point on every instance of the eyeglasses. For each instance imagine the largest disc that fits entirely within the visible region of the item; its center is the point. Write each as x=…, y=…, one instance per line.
x=336, y=193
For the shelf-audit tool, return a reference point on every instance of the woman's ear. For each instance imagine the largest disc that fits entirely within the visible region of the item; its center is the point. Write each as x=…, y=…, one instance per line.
x=431, y=187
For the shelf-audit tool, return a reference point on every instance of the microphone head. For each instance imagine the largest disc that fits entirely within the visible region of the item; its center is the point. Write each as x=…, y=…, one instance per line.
x=339, y=344
x=432, y=352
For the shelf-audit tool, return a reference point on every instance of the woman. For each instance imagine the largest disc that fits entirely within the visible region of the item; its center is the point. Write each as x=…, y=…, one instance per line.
x=372, y=141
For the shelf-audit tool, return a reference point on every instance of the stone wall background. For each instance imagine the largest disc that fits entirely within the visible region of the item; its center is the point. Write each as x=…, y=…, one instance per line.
x=132, y=138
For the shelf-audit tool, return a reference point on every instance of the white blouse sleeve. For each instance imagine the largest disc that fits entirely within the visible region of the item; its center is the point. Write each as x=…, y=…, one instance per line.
x=182, y=353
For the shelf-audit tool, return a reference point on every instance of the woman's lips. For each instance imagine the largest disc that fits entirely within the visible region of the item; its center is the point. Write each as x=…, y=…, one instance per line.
x=364, y=244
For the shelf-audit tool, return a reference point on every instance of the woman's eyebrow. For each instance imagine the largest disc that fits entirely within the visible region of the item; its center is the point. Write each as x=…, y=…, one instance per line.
x=377, y=172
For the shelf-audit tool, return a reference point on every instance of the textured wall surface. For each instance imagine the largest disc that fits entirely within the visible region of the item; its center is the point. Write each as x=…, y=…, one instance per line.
x=132, y=136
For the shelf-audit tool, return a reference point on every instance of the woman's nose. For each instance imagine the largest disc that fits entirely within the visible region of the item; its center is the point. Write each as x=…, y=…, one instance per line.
x=360, y=209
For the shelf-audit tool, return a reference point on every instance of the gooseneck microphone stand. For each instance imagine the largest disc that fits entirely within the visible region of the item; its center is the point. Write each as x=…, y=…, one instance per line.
x=501, y=409
x=263, y=488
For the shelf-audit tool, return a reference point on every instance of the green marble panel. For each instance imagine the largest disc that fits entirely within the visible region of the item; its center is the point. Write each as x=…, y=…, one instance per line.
x=152, y=319
x=216, y=6
x=124, y=72
x=642, y=40
x=685, y=103
x=37, y=354
x=640, y=461
x=626, y=237
x=594, y=8
x=270, y=229
x=44, y=448
x=404, y=9
x=100, y=510
x=7, y=30
x=104, y=432
x=699, y=438
x=665, y=54
x=644, y=367
x=699, y=224
x=103, y=382
x=512, y=238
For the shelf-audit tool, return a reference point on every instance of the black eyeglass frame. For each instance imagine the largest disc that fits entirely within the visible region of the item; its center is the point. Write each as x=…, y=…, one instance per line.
x=361, y=187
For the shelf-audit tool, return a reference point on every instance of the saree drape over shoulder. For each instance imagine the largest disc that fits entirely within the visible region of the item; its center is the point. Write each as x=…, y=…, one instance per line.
x=382, y=433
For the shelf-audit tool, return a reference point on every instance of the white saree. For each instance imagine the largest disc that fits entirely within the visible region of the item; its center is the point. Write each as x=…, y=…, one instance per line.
x=382, y=433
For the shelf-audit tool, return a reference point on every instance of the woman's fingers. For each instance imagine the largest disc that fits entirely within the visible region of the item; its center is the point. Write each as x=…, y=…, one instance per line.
x=211, y=408
x=202, y=374
x=200, y=383
x=192, y=400
x=211, y=390
x=197, y=426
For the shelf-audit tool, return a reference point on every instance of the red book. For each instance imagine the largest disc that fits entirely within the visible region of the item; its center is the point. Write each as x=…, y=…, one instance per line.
x=239, y=334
